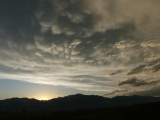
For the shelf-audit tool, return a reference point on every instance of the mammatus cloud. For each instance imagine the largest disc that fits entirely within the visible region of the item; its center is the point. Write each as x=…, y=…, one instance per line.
x=88, y=45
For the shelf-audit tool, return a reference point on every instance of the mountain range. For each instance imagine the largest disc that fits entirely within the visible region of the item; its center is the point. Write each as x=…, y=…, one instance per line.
x=72, y=102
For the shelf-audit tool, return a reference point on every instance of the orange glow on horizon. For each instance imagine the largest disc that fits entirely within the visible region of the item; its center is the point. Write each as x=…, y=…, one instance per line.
x=45, y=97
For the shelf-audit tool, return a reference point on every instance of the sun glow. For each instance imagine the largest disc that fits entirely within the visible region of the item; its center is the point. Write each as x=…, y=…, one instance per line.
x=46, y=97
x=43, y=98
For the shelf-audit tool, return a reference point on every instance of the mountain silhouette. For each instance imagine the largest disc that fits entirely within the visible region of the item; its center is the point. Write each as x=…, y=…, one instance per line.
x=72, y=102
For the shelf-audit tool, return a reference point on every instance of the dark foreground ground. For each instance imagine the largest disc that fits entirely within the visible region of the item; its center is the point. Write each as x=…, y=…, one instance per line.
x=141, y=112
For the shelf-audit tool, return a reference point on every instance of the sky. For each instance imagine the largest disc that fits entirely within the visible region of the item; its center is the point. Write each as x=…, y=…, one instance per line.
x=54, y=48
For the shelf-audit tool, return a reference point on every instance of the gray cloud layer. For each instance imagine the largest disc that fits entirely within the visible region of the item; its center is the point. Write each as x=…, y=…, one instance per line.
x=136, y=82
x=77, y=43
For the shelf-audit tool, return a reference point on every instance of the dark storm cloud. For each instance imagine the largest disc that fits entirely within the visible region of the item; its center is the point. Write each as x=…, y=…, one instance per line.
x=71, y=17
x=17, y=20
x=67, y=21
x=137, y=82
x=77, y=42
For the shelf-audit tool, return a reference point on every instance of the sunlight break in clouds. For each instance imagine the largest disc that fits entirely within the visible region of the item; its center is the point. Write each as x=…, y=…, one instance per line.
x=88, y=45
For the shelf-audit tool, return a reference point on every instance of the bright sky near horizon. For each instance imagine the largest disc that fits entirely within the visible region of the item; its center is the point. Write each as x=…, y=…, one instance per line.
x=51, y=48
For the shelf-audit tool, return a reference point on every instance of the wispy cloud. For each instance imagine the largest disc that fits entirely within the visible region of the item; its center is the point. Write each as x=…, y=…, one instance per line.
x=137, y=82
x=117, y=92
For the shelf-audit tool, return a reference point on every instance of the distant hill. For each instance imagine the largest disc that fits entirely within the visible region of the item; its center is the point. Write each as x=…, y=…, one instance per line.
x=70, y=102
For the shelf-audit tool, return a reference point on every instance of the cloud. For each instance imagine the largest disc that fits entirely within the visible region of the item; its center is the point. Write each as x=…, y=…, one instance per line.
x=63, y=17
x=75, y=43
x=137, y=82
x=151, y=43
x=124, y=44
x=154, y=91
x=115, y=73
x=117, y=92
x=137, y=70
x=151, y=68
